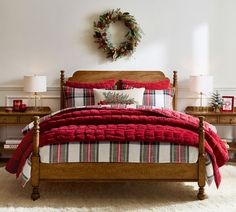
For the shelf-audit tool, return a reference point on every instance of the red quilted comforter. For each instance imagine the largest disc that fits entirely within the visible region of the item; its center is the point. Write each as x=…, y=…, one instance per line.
x=113, y=124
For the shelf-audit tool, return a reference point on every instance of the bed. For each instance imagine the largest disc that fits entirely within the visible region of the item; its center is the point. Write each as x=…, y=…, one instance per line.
x=122, y=171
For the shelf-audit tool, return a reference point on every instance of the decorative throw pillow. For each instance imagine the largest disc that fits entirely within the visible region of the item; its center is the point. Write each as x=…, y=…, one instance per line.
x=105, y=97
x=78, y=96
x=160, y=85
x=109, y=84
x=81, y=93
x=159, y=98
x=158, y=94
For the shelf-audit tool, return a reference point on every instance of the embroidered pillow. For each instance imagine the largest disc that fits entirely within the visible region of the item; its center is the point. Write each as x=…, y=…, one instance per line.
x=160, y=85
x=131, y=96
x=109, y=84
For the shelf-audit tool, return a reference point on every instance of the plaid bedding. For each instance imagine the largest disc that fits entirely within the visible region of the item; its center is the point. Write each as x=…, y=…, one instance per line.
x=116, y=152
x=78, y=96
x=159, y=98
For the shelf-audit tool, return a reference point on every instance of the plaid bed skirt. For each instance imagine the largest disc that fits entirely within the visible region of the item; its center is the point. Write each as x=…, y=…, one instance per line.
x=116, y=152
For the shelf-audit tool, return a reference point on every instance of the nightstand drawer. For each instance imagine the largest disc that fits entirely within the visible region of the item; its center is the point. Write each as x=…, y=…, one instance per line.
x=8, y=119
x=25, y=119
x=227, y=120
x=211, y=119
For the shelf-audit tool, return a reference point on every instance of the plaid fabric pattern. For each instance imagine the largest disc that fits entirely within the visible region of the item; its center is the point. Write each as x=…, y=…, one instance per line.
x=159, y=98
x=139, y=152
x=115, y=152
x=78, y=96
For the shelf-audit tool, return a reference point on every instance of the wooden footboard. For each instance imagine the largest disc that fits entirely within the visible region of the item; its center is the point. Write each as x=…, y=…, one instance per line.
x=117, y=171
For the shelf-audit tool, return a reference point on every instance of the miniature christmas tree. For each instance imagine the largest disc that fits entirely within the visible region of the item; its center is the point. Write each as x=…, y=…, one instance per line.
x=216, y=101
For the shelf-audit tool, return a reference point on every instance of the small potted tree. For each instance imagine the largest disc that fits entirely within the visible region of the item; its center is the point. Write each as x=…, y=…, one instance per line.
x=216, y=102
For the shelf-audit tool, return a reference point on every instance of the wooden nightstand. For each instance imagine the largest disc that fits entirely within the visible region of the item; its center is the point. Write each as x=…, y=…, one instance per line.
x=18, y=118
x=215, y=118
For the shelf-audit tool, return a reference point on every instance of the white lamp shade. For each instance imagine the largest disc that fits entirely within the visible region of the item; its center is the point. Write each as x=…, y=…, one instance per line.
x=201, y=84
x=35, y=83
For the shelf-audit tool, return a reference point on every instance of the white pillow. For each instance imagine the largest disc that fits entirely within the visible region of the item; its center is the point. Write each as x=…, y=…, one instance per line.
x=130, y=96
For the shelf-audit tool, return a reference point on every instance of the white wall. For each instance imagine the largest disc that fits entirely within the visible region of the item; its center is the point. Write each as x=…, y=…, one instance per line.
x=44, y=36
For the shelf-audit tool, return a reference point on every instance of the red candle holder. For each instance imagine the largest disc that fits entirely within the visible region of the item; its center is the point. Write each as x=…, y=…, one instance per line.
x=23, y=107
x=16, y=104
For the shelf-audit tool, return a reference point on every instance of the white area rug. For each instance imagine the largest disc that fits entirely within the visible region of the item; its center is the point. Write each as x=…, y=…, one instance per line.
x=152, y=196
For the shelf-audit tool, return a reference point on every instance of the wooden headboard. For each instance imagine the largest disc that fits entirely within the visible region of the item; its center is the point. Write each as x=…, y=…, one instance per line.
x=95, y=76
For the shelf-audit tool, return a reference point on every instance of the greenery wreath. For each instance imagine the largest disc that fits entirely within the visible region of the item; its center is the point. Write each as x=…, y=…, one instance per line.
x=101, y=36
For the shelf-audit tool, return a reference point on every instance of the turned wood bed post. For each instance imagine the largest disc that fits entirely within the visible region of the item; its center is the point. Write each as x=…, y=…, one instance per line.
x=201, y=161
x=35, y=161
x=175, y=90
x=62, y=83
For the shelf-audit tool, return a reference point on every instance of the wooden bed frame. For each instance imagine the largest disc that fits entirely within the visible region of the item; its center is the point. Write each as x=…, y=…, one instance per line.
x=117, y=171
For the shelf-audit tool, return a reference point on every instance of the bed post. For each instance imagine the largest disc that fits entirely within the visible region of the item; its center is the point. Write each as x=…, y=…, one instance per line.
x=35, y=161
x=175, y=90
x=201, y=161
x=62, y=83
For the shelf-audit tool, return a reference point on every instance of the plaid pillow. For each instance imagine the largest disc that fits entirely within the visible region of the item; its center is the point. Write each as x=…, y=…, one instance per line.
x=75, y=97
x=159, y=98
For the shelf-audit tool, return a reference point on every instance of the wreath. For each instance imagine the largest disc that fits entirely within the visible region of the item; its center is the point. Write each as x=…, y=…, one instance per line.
x=101, y=35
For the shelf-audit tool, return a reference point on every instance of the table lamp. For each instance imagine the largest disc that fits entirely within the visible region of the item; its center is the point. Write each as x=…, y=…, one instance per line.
x=35, y=84
x=201, y=84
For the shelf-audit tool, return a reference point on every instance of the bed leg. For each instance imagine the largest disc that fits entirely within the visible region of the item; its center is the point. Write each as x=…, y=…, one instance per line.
x=201, y=161
x=201, y=193
x=35, y=194
x=35, y=178
x=35, y=161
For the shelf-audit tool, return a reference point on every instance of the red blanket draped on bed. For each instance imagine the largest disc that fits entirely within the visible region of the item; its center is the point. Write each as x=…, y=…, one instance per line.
x=113, y=124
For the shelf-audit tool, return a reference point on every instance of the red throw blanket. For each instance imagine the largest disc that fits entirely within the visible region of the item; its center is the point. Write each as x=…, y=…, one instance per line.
x=113, y=124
